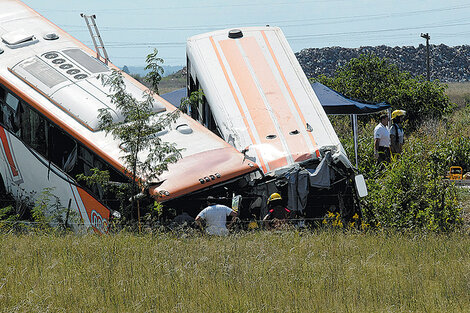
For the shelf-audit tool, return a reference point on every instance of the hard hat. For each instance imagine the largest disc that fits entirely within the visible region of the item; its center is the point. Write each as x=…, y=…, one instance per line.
x=398, y=113
x=274, y=196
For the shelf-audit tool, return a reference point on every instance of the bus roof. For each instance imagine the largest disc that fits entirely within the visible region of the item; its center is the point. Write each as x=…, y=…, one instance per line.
x=32, y=53
x=260, y=96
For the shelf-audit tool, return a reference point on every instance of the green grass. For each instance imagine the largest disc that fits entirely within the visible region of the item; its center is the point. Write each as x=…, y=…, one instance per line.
x=171, y=83
x=325, y=271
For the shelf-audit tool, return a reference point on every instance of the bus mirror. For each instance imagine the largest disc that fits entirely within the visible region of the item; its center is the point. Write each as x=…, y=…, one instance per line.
x=360, y=186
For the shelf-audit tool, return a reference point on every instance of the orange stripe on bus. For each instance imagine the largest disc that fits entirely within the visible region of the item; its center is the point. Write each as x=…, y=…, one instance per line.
x=234, y=94
x=255, y=104
x=8, y=154
x=51, y=100
x=61, y=124
x=273, y=93
x=289, y=89
x=97, y=213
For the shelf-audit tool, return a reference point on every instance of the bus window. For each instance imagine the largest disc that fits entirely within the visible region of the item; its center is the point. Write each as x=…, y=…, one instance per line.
x=85, y=161
x=11, y=113
x=63, y=149
x=34, y=129
x=88, y=160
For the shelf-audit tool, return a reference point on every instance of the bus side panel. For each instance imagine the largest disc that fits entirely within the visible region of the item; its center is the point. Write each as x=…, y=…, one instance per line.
x=37, y=174
x=11, y=167
x=98, y=214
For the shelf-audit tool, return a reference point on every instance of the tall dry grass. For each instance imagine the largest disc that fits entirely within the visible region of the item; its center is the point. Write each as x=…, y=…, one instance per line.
x=459, y=93
x=324, y=271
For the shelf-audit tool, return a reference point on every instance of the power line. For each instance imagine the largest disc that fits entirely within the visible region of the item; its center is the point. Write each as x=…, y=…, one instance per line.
x=151, y=10
x=291, y=38
x=304, y=22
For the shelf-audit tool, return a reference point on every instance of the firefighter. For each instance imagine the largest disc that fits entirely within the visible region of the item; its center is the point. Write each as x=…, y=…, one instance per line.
x=277, y=212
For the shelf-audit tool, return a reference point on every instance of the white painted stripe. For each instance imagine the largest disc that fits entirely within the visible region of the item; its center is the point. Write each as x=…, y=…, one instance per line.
x=285, y=93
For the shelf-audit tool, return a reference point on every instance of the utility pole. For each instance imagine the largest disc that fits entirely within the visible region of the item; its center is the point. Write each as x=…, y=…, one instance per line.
x=428, y=72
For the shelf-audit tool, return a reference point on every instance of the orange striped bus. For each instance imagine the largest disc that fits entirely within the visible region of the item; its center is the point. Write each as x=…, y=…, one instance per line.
x=50, y=97
x=257, y=98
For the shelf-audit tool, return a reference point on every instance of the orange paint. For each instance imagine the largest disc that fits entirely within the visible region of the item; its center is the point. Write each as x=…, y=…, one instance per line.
x=258, y=112
x=291, y=94
x=6, y=148
x=275, y=97
x=237, y=101
x=183, y=176
x=25, y=97
x=97, y=213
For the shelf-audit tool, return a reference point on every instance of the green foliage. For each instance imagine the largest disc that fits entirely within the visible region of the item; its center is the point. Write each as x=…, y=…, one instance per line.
x=41, y=208
x=146, y=155
x=97, y=177
x=455, y=152
x=136, y=132
x=410, y=194
x=48, y=214
x=8, y=214
x=156, y=70
x=370, y=78
x=192, y=101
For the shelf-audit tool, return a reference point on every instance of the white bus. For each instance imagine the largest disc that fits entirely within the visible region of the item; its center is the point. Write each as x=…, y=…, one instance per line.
x=50, y=94
x=258, y=99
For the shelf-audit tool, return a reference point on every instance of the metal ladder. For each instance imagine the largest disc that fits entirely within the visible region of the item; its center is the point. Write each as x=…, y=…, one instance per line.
x=91, y=24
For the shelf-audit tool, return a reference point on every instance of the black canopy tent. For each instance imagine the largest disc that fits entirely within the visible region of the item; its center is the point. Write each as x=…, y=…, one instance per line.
x=333, y=103
x=175, y=97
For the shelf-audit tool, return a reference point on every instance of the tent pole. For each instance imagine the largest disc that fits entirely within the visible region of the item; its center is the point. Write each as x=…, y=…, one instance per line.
x=354, y=122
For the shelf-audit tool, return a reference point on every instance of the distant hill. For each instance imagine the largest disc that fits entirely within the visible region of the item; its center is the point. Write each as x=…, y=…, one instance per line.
x=169, y=69
x=448, y=64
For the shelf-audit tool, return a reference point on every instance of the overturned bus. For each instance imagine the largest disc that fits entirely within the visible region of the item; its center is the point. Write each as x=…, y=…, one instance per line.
x=252, y=92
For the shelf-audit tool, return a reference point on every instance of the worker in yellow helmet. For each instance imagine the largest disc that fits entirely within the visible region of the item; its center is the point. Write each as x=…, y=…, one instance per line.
x=396, y=132
x=277, y=212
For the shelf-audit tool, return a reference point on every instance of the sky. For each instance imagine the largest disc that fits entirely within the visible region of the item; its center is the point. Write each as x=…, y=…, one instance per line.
x=132, y=29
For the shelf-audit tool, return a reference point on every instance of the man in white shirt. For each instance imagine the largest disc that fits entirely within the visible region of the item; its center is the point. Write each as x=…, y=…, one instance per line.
x=215, y=216
x=382, y=140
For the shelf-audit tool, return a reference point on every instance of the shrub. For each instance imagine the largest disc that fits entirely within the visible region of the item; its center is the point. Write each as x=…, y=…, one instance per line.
x=410, y=193
x=370, y=78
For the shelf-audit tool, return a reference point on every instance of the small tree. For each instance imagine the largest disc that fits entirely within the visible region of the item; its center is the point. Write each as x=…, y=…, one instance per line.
x=146, y=155
x=156, y=70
